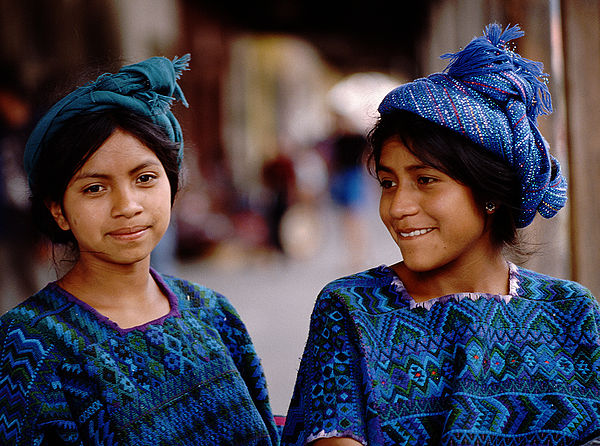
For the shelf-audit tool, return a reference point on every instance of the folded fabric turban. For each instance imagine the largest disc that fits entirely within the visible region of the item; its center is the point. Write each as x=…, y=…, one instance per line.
x=493, y=96
x=147, y=88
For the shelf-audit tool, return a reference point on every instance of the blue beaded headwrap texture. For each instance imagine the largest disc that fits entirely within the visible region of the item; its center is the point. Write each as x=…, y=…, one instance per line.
x=148, y=88
x=493, y=96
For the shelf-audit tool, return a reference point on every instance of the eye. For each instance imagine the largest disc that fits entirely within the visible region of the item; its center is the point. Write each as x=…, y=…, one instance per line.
x=146, y=178
x=424, y=181
x=93, y=189
x=386, y=184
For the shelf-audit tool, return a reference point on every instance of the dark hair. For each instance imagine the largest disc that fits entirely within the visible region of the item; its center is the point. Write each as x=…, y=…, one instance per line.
x=74, y=143
x=488, y=178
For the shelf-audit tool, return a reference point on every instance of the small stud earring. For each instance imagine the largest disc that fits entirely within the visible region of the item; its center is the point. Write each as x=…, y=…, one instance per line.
x=490, y=207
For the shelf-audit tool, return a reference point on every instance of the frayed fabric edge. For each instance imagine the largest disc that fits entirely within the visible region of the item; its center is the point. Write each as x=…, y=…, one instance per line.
x=335, y=434
x=513, y=287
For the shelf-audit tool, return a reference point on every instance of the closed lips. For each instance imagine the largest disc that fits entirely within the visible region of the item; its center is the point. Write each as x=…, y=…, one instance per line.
x=129, y=231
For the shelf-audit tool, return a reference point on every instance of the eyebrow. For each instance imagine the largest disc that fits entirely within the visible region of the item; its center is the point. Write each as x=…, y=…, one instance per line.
x=91, y=174
x=411, y=168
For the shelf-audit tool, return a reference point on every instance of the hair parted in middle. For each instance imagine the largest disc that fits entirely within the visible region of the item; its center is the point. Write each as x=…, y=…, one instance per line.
x=74, y=143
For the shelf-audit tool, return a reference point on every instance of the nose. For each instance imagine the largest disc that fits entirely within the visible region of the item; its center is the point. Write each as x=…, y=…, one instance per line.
x=403, y=203
x=126, y=202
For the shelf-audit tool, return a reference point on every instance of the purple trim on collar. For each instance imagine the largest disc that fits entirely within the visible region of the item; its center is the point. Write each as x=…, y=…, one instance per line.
x=513, y=284
x=172, y=298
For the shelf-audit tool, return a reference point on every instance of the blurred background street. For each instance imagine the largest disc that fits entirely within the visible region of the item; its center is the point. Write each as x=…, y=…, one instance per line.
x=275, y=296
x=276, y=201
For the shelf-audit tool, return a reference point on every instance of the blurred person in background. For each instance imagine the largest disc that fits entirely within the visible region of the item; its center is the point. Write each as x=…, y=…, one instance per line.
x=347, y=188
x=114, y=352
x=279, y=178
x=455, y=344
x=18, y=240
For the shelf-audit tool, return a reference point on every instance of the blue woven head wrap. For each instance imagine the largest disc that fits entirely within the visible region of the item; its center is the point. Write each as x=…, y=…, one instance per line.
x=493, y=96
x=147, y=88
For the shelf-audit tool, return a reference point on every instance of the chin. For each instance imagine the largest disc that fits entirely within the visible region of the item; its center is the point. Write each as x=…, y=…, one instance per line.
x=130, y=259
x=417, y=268
x=420, y=265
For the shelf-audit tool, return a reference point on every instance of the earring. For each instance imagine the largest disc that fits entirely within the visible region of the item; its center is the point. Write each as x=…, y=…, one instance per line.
x=490, y=207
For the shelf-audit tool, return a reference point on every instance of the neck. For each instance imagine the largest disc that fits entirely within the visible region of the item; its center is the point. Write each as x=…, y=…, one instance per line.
x=489, y=274
x=126, y=294
x=96, y=277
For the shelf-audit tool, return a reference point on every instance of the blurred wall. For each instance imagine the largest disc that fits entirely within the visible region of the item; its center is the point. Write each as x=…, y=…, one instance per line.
x=581, y=31
x=48, y=41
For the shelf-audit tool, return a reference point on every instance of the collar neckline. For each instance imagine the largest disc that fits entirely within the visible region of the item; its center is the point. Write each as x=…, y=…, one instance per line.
x=513, y=287
x=170, y=295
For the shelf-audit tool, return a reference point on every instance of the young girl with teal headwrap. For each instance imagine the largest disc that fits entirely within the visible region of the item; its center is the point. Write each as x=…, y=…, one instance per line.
x=455, y=344
x=113, y=352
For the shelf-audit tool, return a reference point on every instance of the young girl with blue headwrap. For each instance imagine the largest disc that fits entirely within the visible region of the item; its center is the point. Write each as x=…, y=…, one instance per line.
x=455, y=345
x=115, y=353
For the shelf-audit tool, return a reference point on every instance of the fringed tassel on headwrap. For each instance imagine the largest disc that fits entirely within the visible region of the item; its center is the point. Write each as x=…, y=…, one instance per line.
x=490, y=54
x=181, y=64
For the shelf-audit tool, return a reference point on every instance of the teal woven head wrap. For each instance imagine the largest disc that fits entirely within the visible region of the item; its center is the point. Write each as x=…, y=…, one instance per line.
x=147, y=88
x=493, y=96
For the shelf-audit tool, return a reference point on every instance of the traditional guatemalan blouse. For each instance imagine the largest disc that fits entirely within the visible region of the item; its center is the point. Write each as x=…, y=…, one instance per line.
x=463, y=369
x=69, y=375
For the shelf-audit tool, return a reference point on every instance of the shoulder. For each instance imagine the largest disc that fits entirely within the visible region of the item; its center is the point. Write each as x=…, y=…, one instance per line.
x=376, y=290
x=32, y=314
x=31, y=336
x=199, y=299
x=538, y=286
x=20, y=333
x=370, y=277
x=194, y=295
x=51, y=326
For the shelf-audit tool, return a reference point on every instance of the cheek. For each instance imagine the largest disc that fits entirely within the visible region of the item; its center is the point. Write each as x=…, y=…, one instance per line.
x=84, y=223
x=475, y=214
x=464, y=215
x=74, y=222
x=384, y=209
x=161, y=203
x=457, y=204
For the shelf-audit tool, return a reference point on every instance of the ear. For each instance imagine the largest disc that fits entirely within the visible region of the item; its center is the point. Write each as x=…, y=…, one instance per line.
x=58, y=215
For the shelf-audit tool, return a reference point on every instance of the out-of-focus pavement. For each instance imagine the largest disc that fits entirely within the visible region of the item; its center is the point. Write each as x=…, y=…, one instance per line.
x=275, y=296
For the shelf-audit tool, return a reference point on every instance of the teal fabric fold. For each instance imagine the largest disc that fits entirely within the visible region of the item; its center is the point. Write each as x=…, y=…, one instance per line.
x=148, y=88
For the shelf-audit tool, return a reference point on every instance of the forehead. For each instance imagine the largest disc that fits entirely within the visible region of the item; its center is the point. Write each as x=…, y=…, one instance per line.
x=120, y=150
x=395, y=154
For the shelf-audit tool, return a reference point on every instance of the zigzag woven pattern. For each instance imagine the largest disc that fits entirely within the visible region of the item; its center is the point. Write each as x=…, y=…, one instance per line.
x=67, y=377
x=465, y=371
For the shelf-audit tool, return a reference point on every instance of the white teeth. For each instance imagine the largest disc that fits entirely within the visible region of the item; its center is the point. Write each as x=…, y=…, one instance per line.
x=416, y=232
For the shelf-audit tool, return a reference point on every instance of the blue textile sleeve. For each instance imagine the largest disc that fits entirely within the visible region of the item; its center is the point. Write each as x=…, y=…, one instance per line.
x=32, y=403
x=328, y=399
x=238, y=341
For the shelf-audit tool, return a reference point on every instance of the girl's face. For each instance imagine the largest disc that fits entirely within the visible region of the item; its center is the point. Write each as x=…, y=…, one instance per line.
x=118, y=205
x=433, y=219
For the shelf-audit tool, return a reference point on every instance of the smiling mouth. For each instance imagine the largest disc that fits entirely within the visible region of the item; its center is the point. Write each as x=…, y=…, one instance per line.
x=415, y=233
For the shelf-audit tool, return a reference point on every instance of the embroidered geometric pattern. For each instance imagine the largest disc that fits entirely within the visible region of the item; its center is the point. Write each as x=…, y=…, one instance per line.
x=502, y=370
x=67, y=377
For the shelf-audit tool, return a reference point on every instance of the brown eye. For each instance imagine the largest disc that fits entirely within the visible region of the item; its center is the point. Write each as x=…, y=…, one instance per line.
x=386, y=184
x=146, y=178
x=425, y=180
x=93, y=189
